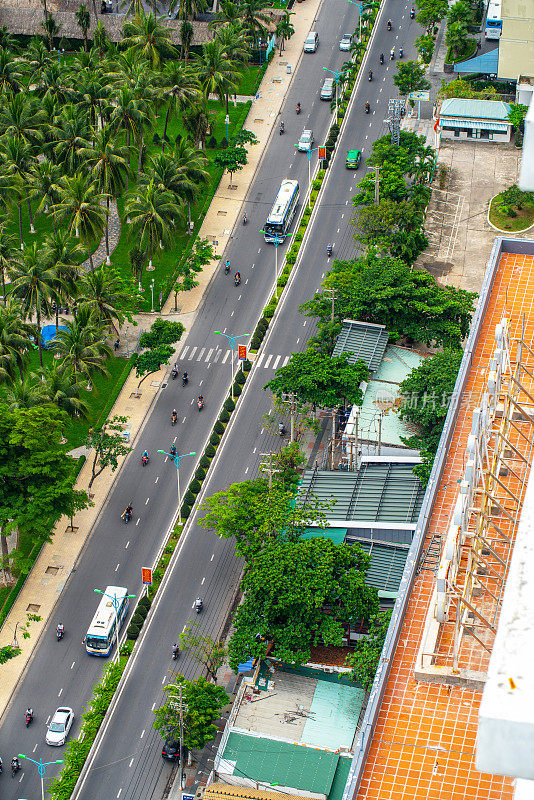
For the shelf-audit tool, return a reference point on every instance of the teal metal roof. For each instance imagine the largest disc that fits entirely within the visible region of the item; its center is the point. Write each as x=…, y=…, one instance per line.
x=475, y=109
x=340, y=778
x=363, y=340
x=487, y=63
x=378, y=492
x=387, y=565
x=275, y=762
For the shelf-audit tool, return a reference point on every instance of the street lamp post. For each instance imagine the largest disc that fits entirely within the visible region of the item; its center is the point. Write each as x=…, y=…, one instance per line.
x=177, y=461
x=259, y=41
x=231, y=341
x=152, y=293
x=41, y=767
x=227, y=122
x=337, y=76
x=309, y=153
x=276, y=240
x=113, y=598
x=361, y=7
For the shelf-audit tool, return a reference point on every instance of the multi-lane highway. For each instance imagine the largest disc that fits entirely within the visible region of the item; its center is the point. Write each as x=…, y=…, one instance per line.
x=127, y=763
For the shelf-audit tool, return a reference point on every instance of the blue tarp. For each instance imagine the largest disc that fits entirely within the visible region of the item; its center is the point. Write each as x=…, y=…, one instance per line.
x=246, y=666
x=486, y=63
x=48, y=335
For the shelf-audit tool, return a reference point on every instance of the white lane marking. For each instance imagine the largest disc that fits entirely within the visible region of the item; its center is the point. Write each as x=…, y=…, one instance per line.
x=118, y=565
x=225, y=359
x=267, y=362
x=346, y=202
x=212, y=556
x=304, y=323
x=337, y=230
x=209, y=365
x=47, y=720
x=192, y=400
x=164, y=680
x=34, y=749
x=157, y=479
x=199, y=357
x=202, y=581
x=232, y=314
x=239, y=298
x=21, y=777
x=183, y=629
x=217, y=355
x=260, y=359
x=126, y=546
x=60, y=692
x=184, y=351
x=246, y=470
x=261, y=432
x=174, y=440
x=286, y=359
x=192, y=353
x=184, y=419
x=201, y=382
x=131, y=762
x=73, y=663
x=254, y=449
x=153, y=706
x=298, y=340
x=342, y=216
x=209, y=354
x=259, y=251
x=275, y=362
x=148, y=498
x=119, y=792
x=143, y=733
x=138, y=521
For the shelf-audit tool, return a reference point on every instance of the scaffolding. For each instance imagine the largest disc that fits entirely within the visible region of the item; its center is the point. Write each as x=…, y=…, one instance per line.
x=479, y=538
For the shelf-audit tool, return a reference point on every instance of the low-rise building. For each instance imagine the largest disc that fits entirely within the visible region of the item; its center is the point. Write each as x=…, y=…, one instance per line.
x=486, y=120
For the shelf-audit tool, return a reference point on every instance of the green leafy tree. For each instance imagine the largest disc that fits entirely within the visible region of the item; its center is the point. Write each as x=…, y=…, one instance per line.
x=180, y=84
x=108, y=444
x=254, y=515
x=202, y=703
x=11, y=651
x=148, y=38
x=82, y=346
x=431, y=12
x=517, y=116
x=425, y=47
x=410, y=77
x=157, y=348
x=233, y=159
x=460, y=12
x=153, y=214
x=36, y=475
x=381, y=289
x=284, y=31
x=80, y=208
x=456, y=36
x=200, y=256
x=297, y=594
x=217, y=74
x=321, y=380
x=397, y=228
x=427, y=393
x=365, y=657
x=206, y=651
x=14, y=335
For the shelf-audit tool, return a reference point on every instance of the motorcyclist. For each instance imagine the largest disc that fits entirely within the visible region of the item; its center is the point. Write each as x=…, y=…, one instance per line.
x=392, y=53
x=145, y=456
x=185, y=377
x=282, y=127
x=200, y=401
x=370, y=74
x=174, y=372
x=401, y=52
x=237, y=278
x=199, y=603
x=389, y=24
x=367, y=107
x=15, y=765
x=174, y=416
x=329, y=249
x=172, y=450
x=128, y=511
x=381, y=58
x=281, y=428
x=298, y=108
x=412, y=12
x=175, y=650
x=60, y=629
x=245, y=218
x=227, y=267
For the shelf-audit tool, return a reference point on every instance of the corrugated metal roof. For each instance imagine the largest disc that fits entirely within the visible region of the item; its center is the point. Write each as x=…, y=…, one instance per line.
x=365, y=340
x=377, y=492
x=479, y=109
x=223, y=791
x=273, y=761
x=386, y=567
x=479, y=124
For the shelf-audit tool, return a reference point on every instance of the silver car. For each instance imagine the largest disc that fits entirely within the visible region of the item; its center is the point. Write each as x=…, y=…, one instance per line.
x=305, y=141
x=345, y=42
x=59, y=726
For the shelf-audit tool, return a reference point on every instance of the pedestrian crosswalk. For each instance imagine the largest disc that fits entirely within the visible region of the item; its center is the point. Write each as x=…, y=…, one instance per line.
x=217, y=355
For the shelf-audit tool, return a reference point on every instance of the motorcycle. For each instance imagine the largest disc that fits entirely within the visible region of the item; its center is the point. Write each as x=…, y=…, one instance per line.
x=282, y=429
x=174, y=418
x=389, y=25
x=174, y=373
x=367, y=108
x=200, y=404
x=282, y=128
x=370, y=74
x=381, y=58
x=28, y=718
x=14, y=769
x=329, y=250
x=227, y=268
x=126, y=516
x=401, y=53
x=198, y=605
x=59, y=634
x=175, y=652
x=237, y=280
x=245, y=219
x=298, y=109
x=185, y=380
x=173, y=450
x=145, y=459
x=412, y=13
x=392, y=55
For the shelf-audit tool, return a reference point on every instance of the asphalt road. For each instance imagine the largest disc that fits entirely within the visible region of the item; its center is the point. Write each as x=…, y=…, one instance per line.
x=128, y=764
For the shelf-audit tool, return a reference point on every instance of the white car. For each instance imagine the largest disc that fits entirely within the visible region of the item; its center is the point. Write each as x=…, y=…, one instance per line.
x=345, y=42
x=305, y=141
x=59, y=726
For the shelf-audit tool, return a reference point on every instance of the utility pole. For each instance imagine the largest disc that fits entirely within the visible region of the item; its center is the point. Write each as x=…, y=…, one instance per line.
x=268, y=467
x=181, y=739
x=394, y=110
x=377, y=185
x=379, y=432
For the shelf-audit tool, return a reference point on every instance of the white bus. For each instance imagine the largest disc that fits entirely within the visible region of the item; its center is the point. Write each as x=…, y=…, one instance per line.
x=282, y=213
x=493, y=27
x=101, y=634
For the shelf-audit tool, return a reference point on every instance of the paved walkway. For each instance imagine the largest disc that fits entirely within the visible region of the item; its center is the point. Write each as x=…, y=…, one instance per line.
x=42, y=589
x=99, y=255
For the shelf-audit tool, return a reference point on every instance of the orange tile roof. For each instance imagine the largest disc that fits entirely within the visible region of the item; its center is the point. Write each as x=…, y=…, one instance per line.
x=223, y=791
x=424, y=741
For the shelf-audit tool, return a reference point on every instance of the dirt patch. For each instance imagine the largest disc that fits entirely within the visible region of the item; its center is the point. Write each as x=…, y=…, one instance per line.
x=438, y=268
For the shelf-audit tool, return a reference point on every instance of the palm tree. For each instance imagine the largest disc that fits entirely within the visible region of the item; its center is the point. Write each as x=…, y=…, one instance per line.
x=27, y=392
x=217, y=73
x=81, y=345
x=10, y=71
x=191, y=172
x=70, y=134
x=107, y=164
x=14, y=340
x=229, y=12
x=43, y=184
x=18, y=164
x=100, y=38
x=63, y=389
x=153, y=213
x=51, y=29
x=52, y=84
x=92, y=97
x=34, y=284
x=7, y=40
x=196, y=121
x=234, y=41
x=189, y=8
x=180, y=84
x=129, y=116
x=83, y=19
x=80, y=207
x=187, y=33
x=63, y=255
x=106, y=295
x=7, y=254
x=284, y=30
x=22, y=119
x=253, y=17
x=37, y=57
x=147, y=36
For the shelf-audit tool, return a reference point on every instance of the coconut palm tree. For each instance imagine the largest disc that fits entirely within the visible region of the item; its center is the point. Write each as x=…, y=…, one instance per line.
x=43, y=183
x=14, y=340
x=63, y=255
x=63, y=389
x=37, y=57
x=7, y=40
x=107, y=164
x=81, y=345
x=186, y=33
x=70, y=134
x=10, y=71
x=191, y=172
x=93, y=97
x=128, y=115
x=189, y=8
x=254, y=18
x=51, y=29
x=7, y=254
x=229, y=12
x=217, y=73
x=107, y=296
x=52, y=84
x=196, y=121
x=153, y=213
x=180, y=85
x=18, y=164
x=100, y=39
x=145, y=35
x=27, y=392
x=234, y=41
x=34, y=284
x=284, y=30
x=80, y=207
x=21, y=118
x=83, y=20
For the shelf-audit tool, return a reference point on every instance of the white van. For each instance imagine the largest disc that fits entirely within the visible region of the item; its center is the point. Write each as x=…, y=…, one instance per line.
x=311, y=43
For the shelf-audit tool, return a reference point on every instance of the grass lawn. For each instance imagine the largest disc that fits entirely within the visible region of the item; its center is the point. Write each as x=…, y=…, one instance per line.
x=250, y=79
x=523, y=220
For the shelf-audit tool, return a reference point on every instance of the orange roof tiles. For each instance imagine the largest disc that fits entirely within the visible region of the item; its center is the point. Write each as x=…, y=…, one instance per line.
x=424, y=741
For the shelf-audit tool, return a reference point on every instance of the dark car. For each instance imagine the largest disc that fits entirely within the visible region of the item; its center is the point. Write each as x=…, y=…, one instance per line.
x=171, y=749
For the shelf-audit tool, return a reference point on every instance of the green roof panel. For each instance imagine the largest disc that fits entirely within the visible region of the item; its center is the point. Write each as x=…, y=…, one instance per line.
x=363, y=340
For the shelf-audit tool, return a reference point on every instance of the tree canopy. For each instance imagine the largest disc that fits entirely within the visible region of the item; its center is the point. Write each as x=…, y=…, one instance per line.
x=202, y=703
x=366, y=654
x=297, y=593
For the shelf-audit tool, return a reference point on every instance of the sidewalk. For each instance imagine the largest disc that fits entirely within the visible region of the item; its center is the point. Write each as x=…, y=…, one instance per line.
x=59, y=557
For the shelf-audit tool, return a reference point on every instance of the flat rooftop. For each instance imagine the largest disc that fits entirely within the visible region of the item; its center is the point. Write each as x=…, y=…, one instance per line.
x=423, y=744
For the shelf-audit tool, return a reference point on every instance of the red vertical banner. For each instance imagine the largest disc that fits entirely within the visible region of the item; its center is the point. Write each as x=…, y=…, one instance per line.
x=242, y=352
x=146, y=575
x=322, y=152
